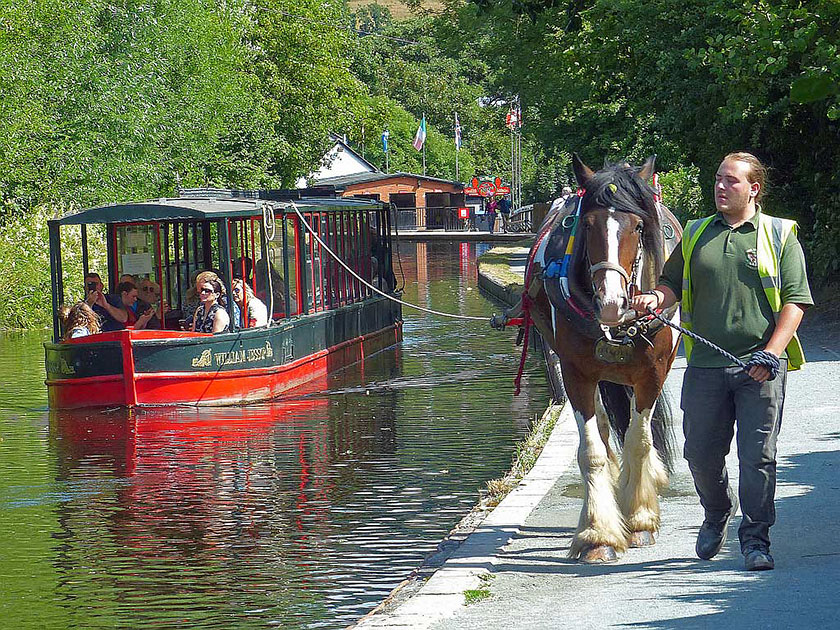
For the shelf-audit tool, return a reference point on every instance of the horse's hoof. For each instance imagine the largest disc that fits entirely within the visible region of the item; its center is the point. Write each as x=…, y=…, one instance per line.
x=641, y=539
x=600, y=554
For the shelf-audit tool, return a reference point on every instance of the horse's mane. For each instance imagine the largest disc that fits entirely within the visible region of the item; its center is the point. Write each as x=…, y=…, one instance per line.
x=619, y=186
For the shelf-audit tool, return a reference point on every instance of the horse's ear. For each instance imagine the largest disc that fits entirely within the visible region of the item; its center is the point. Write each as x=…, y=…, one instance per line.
x=582, y=172
x=647, y=170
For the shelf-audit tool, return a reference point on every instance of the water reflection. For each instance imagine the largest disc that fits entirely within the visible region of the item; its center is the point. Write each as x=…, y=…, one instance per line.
x=304, y=512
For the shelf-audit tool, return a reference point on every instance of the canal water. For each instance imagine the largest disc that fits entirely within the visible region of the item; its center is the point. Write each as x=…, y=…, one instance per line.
x=302, y=513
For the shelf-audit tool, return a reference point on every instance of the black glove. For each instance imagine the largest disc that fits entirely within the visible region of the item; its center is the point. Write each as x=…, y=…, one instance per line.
x=766, y=360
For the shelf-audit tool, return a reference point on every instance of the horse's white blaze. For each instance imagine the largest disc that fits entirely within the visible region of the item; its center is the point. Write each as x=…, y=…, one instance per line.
x=613, y=290
x=600, y=518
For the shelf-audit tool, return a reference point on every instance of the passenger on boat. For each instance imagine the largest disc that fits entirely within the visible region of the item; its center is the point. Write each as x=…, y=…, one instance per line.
x=210, y=316
x=118, y=309
x=194, y=297
x=93, y=286
x=80, y=321
x=149, y=294
x=257, y=312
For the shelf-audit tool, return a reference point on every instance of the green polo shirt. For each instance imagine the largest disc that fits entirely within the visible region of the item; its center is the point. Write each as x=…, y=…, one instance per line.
x=730, y=308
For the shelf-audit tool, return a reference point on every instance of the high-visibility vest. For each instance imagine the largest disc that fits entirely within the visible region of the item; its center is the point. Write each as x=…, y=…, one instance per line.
x=772, y=234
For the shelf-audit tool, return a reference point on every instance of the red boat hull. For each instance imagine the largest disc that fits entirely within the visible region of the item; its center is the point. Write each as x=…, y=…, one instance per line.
x=154, y=368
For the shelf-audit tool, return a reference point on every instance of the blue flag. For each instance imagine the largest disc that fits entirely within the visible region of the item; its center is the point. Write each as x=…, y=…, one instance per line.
x=385, y=135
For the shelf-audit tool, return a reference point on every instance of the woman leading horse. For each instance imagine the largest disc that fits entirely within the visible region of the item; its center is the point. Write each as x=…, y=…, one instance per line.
x=589, y=258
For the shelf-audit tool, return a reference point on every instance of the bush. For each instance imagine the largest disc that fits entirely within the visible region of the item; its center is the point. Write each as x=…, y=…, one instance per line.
x=26, y=299
x=681, y=192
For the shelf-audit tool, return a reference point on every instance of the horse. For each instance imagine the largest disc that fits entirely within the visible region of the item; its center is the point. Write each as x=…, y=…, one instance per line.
x=587, y=261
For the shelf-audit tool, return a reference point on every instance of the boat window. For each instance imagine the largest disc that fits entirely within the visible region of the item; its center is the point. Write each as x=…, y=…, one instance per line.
x=314, y=270
x=283, y=269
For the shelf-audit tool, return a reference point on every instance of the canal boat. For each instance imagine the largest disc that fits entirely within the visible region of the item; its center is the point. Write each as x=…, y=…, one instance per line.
x=321, y=265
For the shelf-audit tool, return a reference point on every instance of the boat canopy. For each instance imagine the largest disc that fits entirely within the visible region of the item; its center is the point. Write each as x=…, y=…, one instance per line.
x=253, y=236
x=196, y=209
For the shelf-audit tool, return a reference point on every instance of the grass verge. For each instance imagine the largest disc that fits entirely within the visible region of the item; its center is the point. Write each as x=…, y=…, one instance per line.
x=475, y=595
x=527, y=452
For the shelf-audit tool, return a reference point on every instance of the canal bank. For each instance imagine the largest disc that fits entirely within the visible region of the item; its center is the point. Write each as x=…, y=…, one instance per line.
x=461, y=570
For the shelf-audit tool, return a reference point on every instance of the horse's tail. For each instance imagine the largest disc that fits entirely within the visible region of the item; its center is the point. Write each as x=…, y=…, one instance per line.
x=616, y=399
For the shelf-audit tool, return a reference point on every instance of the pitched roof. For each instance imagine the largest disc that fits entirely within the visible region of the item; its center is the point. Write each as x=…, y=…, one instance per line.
x=343, y=181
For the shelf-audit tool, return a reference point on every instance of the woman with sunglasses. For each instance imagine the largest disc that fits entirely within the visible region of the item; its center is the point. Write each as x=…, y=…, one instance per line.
x=244, y=298
x=210, y=316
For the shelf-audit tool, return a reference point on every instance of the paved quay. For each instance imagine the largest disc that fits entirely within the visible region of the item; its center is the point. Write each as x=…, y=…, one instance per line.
x=515, y=562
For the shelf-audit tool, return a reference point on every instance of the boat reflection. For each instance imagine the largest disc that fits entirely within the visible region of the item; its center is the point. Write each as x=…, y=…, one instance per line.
x=253, y=500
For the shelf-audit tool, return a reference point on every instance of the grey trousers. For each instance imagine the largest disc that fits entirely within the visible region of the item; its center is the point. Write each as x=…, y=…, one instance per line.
x=714, y=402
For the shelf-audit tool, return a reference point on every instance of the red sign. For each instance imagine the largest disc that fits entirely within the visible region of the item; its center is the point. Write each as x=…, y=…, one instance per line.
x=486, y=189
x=463, y=213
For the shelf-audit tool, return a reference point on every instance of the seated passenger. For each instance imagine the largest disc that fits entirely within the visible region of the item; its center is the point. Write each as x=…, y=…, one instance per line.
x=149, y=294
x=257, y=313
x=193, y=296
x=93, y=288
x=119, y=311
x=210, y=316
x=80, y=321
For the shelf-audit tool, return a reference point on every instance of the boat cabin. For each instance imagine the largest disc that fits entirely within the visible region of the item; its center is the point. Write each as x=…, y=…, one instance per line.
x=311, y=261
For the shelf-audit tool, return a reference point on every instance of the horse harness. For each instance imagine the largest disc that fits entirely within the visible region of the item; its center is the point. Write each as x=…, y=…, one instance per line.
x=613, y=344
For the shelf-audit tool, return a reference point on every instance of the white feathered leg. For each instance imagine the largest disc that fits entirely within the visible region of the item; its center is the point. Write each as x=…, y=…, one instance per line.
x=642, y=476
x=601, y=524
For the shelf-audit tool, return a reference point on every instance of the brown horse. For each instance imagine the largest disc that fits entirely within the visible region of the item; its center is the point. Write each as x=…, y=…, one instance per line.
x=589, y=258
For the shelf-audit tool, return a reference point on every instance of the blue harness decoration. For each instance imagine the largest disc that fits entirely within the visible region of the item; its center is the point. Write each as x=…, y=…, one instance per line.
x=560, y=269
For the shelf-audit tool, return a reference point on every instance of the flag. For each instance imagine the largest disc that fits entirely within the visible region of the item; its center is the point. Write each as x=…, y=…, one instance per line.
x=457, y=133
x=420, y=136
x=385, y=135
x=513, y=118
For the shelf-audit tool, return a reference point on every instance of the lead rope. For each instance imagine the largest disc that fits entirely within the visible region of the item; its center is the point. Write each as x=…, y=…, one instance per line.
x=368, y=284
x=760, y=358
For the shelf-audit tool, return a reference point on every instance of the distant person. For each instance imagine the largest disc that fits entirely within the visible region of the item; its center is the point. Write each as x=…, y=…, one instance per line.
x=504, y=206
x=253, y=310
x=565, y=195
x=80, y=321
x=491, y=214
x=210, y=316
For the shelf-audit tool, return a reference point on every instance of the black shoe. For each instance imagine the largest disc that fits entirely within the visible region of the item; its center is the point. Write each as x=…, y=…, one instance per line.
x=758, y=560
x=712, y=536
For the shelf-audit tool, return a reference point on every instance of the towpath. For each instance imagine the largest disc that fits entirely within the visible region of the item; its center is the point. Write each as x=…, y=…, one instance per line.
x=521, y=576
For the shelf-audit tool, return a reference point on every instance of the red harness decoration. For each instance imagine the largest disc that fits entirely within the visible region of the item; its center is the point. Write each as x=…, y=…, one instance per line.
x=526, y=324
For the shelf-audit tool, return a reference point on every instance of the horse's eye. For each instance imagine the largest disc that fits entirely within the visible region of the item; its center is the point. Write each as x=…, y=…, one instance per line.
x=640, y=228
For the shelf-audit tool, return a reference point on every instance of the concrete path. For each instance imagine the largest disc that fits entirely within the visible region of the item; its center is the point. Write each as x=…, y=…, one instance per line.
x=535, y=586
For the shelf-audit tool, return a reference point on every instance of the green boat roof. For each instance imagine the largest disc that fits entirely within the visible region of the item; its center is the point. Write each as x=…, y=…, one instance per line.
x=200, y=209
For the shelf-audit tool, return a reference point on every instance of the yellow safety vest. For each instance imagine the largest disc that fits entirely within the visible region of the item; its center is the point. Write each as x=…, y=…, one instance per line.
x=771, y=238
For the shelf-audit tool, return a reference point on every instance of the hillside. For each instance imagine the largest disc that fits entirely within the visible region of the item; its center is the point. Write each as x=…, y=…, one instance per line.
x=398, y=9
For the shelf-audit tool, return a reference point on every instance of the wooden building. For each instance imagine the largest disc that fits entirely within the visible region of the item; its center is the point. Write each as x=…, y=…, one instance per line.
x=422, y=202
